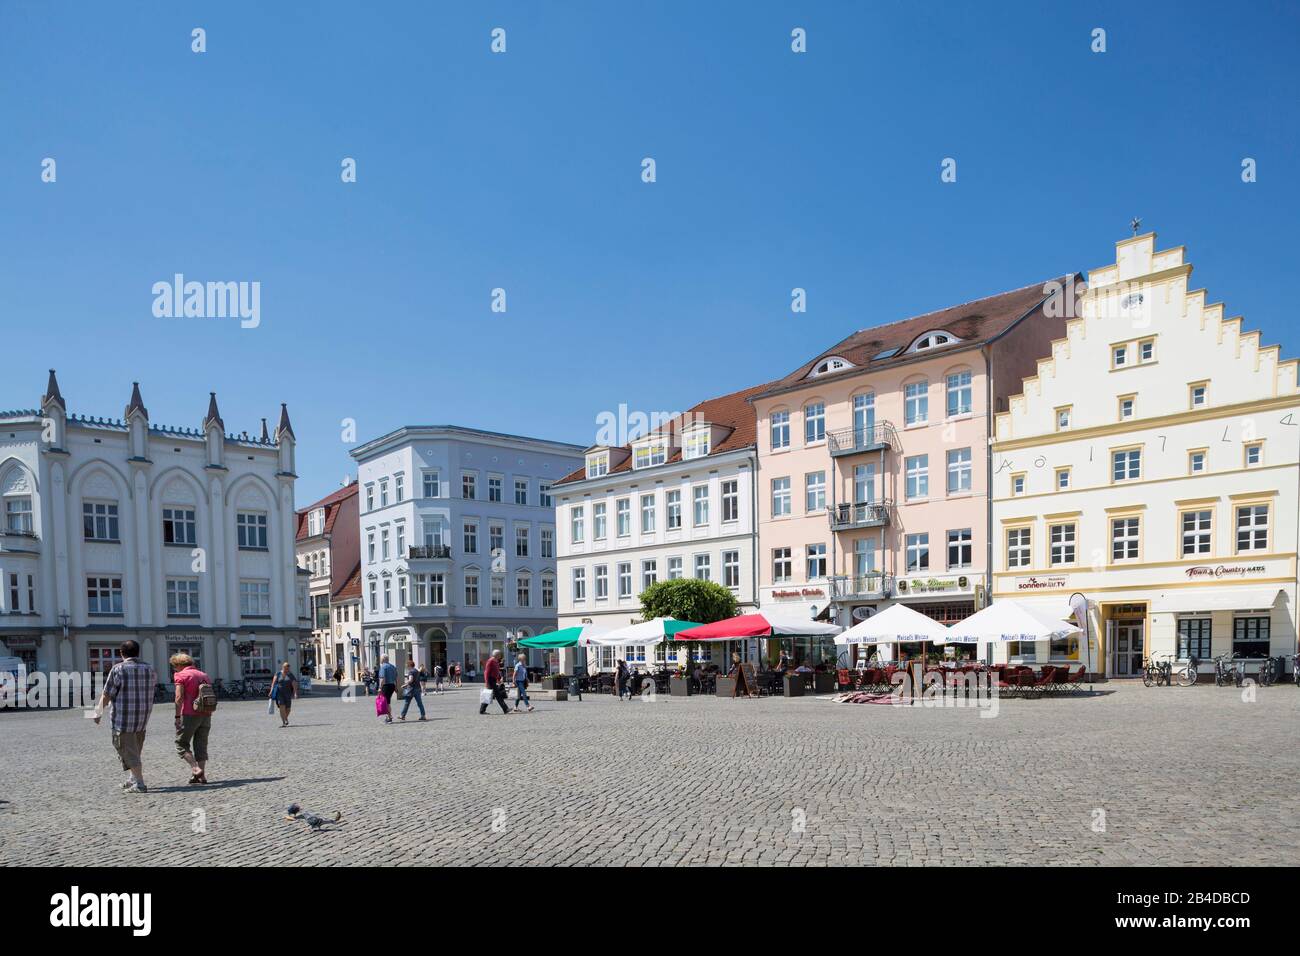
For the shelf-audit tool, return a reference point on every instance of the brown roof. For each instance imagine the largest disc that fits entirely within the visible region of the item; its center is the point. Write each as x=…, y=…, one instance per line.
x=330, y=503
x=351, y=588
x=731, y=411
x=973, y=322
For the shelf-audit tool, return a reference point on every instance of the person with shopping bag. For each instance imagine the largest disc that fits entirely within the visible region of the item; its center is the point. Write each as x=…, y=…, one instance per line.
x=493, y=688
x=414, y=691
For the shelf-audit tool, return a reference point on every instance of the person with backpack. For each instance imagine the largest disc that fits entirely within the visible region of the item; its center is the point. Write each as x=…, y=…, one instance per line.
x=283, y=690
x=195, y=702
x=521, y=684
x=437, y=678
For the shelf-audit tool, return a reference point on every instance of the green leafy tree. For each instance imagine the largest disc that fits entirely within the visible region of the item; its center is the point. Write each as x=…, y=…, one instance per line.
x=687, y=599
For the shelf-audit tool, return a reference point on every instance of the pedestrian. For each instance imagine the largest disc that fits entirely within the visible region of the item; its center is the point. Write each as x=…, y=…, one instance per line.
x=338, y=677
x=387, y=685
x=193, y=715
x=456, y=667
x=621, y=676
x=129, y=689
x=414, y=691
x=437, y=678
x=492, y=683
x=283, y=690
x=521, y=684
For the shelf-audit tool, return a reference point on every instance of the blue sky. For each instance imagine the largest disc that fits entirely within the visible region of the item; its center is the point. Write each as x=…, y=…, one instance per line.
x=522, y=171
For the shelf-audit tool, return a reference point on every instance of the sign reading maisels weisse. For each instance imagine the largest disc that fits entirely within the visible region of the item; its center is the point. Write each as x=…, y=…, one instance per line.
x=1040, y=582
x=1225, y=570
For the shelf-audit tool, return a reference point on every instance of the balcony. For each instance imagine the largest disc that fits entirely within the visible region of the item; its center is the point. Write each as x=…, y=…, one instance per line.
x=857, y=441
x=427, y=552
x=865, y=514
x=861, y=587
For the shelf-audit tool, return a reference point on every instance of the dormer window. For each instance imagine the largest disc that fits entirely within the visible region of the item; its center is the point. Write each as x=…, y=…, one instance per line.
x=316, y=521
x=832, y=364
x=697, y=444
x=598, y=465
x=932, y=340
x=649, y=455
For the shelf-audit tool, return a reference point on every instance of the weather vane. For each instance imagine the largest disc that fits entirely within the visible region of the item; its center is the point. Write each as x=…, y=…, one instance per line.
x=1136, y=224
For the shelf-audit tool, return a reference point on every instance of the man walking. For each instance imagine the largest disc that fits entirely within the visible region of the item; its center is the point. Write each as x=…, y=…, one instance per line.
x=129, y=689
x=414, y=692
x=387, y=684
x=437, y=678
x=521, y=684
x=193, y=719
x=492, y=681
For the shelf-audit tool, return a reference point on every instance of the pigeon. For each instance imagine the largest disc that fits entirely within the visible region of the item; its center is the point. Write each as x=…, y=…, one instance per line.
x=295, y=812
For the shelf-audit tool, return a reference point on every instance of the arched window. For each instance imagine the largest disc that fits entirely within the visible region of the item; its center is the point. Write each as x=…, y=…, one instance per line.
x=933, y=340
x=833, y=363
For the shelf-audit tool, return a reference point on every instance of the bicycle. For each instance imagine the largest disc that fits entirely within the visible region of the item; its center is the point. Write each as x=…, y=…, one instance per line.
x=1187, y=674
x=1157, y=672
x=1227, y=670
x=1295, y=669
x=1268, y=672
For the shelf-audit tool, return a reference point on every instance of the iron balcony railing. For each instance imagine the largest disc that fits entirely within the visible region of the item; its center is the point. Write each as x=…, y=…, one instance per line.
x=857, y=587
x=853, y=441
x=436, y=551
x=864, y=514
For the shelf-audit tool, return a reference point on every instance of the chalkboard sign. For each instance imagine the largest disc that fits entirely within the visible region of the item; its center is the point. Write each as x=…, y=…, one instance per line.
x=751, y=679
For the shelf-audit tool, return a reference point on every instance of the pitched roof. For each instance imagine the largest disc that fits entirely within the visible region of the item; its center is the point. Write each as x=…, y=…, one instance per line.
x=351, y=587
x=973, y=322
x=330, y=503
x=731, y=411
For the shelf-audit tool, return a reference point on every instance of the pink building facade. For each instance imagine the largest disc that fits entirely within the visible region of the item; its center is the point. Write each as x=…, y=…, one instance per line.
x=873, y=462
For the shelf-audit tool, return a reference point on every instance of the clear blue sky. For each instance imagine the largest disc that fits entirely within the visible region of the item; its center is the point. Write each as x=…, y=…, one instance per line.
x=522, y=171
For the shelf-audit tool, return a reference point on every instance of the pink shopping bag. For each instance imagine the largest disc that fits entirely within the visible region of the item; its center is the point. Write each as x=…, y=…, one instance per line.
x=381, y=706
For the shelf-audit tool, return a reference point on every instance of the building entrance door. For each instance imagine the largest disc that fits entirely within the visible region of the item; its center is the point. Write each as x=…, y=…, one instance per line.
x=1126, y=659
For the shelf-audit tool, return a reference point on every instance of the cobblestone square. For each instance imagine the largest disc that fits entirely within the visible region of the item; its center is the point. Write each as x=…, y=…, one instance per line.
x=1184, y=776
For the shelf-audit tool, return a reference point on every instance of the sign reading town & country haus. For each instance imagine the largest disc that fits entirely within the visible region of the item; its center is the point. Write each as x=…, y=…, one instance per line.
x=1225, y=570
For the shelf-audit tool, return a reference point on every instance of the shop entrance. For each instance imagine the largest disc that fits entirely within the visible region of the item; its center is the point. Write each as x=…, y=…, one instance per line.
x=1127, y=647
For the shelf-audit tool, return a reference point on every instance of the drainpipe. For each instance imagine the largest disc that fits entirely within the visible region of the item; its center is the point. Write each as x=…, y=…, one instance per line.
x=988, y=483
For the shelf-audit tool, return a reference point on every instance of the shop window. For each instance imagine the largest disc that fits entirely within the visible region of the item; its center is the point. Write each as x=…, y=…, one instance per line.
x=1194, y=638
x=1250, y=636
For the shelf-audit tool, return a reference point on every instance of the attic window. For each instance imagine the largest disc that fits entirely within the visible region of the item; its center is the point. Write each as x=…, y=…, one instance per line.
x=832, y=364
x=597, y=465
x=932, y=340
x=887, y=353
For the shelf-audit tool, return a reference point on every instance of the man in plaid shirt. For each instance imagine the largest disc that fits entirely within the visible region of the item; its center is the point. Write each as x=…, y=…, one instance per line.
x=129, y=689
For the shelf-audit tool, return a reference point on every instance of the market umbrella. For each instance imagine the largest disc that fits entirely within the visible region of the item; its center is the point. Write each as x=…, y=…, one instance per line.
x=583, y=635
x=1008, y=621
x=898, y=624
x=647, y=632
x=761, y=624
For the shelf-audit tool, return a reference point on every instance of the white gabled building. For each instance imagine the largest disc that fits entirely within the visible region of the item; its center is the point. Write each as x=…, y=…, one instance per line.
x=180, y=538
x=457, y=537
x=678, y=502
x=1153, y=467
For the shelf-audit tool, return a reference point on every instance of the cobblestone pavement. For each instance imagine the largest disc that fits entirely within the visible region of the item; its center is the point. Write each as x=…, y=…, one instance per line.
x=1183, y=775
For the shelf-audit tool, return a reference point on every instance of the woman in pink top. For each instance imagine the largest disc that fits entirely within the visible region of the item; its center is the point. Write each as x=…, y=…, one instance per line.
x=192, y=727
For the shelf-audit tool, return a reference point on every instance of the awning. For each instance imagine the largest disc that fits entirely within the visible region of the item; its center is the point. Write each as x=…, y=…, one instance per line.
x=1216, y=599
x=1055, y=609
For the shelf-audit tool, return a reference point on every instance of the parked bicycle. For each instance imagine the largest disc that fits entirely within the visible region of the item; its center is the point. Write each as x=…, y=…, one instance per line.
x=1295, y=669
x=230, y=690
x=1228, y=670
x=1268, y=672
x=1156, y=672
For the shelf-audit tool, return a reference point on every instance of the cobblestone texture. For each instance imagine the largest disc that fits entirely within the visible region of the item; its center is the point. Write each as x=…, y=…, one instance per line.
x=1184, y=775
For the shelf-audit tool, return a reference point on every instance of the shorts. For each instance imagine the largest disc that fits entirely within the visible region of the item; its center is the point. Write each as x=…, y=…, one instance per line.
x=193, y=736
x=129, y=745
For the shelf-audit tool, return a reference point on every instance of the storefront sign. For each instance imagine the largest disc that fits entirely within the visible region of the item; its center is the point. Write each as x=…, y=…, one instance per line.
x=1225, y=570
x=861, y=613
x=15, y=643
x=803, y=593
x=933, y=585
x=1043, y=583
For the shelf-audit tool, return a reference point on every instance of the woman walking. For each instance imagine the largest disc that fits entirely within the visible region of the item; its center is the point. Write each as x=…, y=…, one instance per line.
x=283, y=690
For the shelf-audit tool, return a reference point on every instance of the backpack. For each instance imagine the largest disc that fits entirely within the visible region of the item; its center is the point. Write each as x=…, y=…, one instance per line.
x=205, y=701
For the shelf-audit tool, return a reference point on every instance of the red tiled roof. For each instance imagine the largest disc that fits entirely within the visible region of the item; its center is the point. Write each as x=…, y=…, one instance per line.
x=351, y=588
x=329, y=503
x=972, y=322
x=732, y=411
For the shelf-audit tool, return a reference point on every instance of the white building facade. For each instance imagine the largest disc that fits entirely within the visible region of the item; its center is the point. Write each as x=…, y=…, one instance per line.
x=676, y=503
x=458, y=542
x=1152, y=466
x=179, y=538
